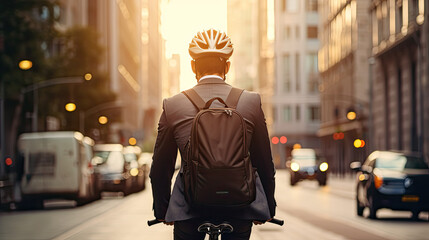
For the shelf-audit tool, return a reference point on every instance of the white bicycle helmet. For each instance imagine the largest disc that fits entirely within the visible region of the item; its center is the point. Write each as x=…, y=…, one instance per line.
x=211, y=43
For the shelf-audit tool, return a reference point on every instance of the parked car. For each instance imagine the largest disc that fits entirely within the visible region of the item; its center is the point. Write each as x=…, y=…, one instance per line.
x=138, y=170
x=145, y=160
x=56, y=165
x=304, y=164
x=393, y=180
x=109, y=162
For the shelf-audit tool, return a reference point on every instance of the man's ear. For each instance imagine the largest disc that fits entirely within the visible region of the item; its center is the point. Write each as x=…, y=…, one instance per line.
x=227, y=66
x=193, y=66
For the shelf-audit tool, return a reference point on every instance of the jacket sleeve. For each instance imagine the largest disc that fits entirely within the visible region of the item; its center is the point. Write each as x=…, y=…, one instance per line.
x=162, y=169
x=260, y=153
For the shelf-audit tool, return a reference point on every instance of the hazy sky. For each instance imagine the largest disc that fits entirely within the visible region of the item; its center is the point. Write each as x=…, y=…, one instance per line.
x=181, y=20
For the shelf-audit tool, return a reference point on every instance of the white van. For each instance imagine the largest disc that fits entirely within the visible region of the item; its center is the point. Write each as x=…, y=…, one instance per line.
x=57, y=165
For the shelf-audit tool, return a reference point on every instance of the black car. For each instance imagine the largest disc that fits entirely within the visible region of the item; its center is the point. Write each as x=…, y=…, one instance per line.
x=115, y=173
x=393, y=180
x=304, y=164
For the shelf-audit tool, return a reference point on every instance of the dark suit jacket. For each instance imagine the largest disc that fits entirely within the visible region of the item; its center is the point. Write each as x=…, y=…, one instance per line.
x=174, y=130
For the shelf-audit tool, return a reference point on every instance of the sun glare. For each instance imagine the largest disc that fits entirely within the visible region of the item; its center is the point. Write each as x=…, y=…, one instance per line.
x=181, y=20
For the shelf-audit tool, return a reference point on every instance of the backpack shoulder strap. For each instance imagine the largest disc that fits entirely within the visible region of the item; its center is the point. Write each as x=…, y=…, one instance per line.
x=234, y=95
x=196, y=100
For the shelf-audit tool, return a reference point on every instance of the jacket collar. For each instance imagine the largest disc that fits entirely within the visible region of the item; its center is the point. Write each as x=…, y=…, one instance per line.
x=211, y=80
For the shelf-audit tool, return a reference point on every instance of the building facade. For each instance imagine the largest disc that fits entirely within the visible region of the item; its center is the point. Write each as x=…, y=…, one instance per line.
x=243, y=29
x=295, y=102
x=130, y=32
x=400, y=105
x=344, y=68
x=252, y=65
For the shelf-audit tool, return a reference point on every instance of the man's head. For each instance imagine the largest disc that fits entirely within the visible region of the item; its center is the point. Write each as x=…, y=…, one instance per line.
x=210, y=51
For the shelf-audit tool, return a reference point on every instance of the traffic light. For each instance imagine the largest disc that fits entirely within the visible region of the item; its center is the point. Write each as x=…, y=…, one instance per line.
x=359, y=143
x=338, y=136
x=9, y=164
x=277, y=140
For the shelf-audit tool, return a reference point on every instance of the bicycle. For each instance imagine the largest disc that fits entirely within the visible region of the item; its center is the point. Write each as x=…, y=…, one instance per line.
x=214, y=231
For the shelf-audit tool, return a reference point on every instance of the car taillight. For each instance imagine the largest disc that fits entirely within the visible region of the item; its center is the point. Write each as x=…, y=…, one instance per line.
x=378, y=181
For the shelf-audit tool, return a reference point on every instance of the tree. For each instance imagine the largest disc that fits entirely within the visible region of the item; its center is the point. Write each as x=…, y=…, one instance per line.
x=26, y=30
x=80, y=54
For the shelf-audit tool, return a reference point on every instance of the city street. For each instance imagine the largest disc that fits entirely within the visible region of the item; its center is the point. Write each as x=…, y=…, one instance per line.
x=309, y=212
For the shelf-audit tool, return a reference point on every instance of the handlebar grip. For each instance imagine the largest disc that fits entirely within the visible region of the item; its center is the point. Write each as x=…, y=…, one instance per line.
x=277, y=221
x=153, y=222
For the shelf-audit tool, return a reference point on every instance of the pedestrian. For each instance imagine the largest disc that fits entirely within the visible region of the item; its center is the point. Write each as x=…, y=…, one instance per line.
x=210, y=51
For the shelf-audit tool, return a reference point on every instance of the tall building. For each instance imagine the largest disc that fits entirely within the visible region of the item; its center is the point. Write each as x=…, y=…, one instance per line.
x=153, y=59
x=243, y=29
x=343, y=66
x=252, y=66
x=171, y=84
x=296, y=93
x=130, y=32
x=400, y=103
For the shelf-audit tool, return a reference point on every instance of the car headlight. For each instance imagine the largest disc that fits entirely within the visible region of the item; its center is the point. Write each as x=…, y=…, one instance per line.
x=323, y=167
x=294, y=166
x=134, y=172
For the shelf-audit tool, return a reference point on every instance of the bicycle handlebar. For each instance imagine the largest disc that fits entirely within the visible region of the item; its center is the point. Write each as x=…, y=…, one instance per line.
x=273, y=221
x=153, y=222
x=277, y=221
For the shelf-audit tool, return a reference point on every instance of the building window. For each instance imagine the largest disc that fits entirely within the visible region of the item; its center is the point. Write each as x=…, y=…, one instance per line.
x=379, y=24
x=287, y=114
x=297, y=73
x=312, y=32
x=275, y=113
x=314, y=113
x=414, y=9
x=286, y=33
x=399, y=18
x=298, y=113
x=311, y=5
x=297, y=33
x=290, y=5
x=286, y=73
x=312, y=72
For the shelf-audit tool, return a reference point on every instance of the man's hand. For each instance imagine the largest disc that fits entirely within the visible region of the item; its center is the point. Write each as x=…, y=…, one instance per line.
x=166, y=223
x=260, y=223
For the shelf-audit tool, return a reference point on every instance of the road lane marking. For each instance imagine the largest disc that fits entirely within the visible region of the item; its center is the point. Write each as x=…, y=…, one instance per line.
x=337, y=227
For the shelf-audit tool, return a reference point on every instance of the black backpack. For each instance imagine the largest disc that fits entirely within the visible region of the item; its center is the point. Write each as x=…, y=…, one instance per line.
x=217, y=170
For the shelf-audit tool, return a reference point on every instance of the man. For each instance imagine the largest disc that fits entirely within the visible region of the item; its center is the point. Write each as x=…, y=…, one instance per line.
x=210, y=51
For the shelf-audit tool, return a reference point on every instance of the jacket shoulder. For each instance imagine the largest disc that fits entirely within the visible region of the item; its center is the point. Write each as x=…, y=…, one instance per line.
x=174, y=101
x=250, y=97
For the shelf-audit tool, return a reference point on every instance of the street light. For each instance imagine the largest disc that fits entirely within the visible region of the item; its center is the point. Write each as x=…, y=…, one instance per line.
x=50, y=82
x=100, y=107
x=25, y=64
x=88, y=76
x=351, y=115
x=132, y=141
x=70, y=107
x=103, y=120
